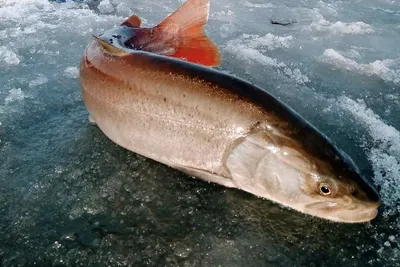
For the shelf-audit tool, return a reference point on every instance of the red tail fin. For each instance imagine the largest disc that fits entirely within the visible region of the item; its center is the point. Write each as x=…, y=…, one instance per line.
x=186, y=26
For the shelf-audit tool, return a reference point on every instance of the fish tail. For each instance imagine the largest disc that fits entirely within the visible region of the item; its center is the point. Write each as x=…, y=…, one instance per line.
x=184, y=32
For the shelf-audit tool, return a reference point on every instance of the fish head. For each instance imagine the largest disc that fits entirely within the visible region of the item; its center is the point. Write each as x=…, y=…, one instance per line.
x=338, y=195
x=274, y=166
x=342, y=203
x=329, y=187
x=121, y=35
x=117, y=38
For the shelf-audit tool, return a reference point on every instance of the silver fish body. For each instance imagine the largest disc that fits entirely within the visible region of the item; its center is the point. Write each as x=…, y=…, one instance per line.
x=221, y=129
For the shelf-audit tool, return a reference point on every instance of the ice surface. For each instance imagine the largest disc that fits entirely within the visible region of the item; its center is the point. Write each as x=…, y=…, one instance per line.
x=71, y=72
x=340, y=27
x=381, y=68
x=250, y=48
x=105, y=7
x=41, y=79
x=8, y=56
x=15, y=94
x=385, y=153
x=124, y=9
x=70, y=197
x=250, y=4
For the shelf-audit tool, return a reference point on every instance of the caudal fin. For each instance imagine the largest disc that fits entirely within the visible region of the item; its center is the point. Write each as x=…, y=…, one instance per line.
x=185, y=32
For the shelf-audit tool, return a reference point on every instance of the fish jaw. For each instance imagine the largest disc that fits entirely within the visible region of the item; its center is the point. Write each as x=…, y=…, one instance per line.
x=361, y=213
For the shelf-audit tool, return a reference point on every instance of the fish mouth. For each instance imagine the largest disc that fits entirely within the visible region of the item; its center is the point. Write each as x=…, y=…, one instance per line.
x=358, y=216
x=356, y=213
x=116, y=37
x=111, y=48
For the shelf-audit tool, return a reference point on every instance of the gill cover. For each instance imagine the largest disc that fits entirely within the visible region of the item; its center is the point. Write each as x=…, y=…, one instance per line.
x=251, y=161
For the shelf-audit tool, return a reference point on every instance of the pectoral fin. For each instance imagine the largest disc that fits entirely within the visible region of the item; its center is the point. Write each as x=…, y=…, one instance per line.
x=248, y=162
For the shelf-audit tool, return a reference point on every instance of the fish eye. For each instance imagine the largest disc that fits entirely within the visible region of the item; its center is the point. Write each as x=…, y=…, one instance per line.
x=325, y=189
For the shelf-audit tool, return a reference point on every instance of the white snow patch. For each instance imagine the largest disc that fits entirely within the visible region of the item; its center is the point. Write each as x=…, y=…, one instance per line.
x=250, y=49
x=14, y=95
x=8, y=56
x=379, y=68
x=71, y=72
x=385, y=153
x=38, y=81
x=250, y=4
x=228, y=16
x=340, y=27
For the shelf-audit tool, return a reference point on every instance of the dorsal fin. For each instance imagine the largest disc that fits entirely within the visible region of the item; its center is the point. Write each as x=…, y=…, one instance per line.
x=132, y=21
x=186, y=26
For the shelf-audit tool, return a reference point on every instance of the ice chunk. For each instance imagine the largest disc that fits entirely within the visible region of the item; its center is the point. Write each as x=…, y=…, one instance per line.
x=38, y=81
x=105, y=7
x=385, y=155
x=340, y=27
x=8, y=56
x=71, y=72
x=14, y=95
x=379, y=68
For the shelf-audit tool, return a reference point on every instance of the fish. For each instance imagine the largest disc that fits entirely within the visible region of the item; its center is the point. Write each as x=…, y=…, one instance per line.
x=156, y=92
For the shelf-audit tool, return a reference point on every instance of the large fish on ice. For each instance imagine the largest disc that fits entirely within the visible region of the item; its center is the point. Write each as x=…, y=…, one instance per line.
x=151, y=91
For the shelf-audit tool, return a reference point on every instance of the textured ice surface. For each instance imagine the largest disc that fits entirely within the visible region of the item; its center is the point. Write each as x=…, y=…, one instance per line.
x=340, y=27
x=71, y=72
x=252, y=49
x=105, y=7
x=387, y=69
x=70, y=197
x=14, y=95
x=8, y=56
x=384, y=153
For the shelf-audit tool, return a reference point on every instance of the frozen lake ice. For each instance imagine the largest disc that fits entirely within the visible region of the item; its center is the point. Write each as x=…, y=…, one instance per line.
x=70, y=197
